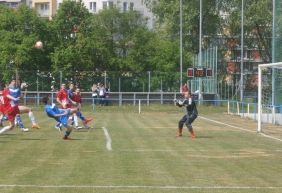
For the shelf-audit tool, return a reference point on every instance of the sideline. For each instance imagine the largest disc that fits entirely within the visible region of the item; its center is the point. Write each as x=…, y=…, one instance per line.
x=240, y=128
x=108, y=138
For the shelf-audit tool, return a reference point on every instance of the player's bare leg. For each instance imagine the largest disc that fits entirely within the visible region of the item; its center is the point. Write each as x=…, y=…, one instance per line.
x=1, y=121
x=25, y=109
x=8, y=127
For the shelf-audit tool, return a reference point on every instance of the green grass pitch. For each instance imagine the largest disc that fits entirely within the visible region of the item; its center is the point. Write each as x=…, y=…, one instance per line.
x=128, y=152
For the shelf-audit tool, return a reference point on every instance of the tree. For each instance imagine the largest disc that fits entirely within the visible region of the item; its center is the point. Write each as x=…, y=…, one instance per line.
x=168, y=19
x=120, y=41
x=257, y=22
x=19, y=30
x=68, y=27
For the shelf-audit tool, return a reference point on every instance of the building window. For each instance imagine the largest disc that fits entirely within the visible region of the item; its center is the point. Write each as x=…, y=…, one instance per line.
x=44, y=7
x=124, y=6
x=111, y=4
x=131, y=6
x=14, y=4
x=105, y=4
x=92, y=6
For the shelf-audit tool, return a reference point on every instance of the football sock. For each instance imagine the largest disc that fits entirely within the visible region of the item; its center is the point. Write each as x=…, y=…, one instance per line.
x=19, y=121
x=79, y=114
x=75, y=120
x=31, y=117
x=67, y=133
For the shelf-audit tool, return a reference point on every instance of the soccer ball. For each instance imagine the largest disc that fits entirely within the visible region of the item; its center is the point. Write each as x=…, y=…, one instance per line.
x=38, y=45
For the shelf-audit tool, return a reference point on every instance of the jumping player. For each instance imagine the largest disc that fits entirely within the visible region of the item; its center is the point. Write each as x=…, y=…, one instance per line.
x=60, y=115
x=189, y=117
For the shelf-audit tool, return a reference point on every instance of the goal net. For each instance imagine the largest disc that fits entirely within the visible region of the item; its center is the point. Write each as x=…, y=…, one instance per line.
x=269, y=95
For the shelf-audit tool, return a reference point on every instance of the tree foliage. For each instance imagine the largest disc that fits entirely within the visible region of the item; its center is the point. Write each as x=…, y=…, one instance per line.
x=19, y=30
x=76, y=40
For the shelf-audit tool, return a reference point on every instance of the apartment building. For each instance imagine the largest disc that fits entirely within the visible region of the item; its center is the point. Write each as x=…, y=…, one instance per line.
x=48, y=8
x=45, y=8
x=11, y=3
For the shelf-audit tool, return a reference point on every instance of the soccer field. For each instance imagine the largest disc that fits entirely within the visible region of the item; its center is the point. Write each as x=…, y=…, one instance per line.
x=137, y=153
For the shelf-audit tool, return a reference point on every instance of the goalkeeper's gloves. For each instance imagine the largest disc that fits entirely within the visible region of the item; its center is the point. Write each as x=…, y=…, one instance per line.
x=178, y=102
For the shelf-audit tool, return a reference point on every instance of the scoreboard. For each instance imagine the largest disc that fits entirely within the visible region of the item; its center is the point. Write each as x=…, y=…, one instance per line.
x=199, y=72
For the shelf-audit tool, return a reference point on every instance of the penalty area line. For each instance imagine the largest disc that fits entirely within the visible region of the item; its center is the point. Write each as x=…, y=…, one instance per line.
x=108, y=138
x=240, y=128
x=221, y=123
x=138, y=187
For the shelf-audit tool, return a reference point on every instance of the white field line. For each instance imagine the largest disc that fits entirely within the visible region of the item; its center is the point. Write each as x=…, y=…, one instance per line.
x=138, y=187
x=271, y=137
x=240, y=128
x=108, y=138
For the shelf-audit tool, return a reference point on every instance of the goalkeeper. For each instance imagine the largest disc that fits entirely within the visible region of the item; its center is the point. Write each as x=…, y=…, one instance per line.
x=190, y=116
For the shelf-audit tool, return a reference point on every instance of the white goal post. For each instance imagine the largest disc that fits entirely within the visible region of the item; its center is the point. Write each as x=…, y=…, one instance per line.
x=269, y=87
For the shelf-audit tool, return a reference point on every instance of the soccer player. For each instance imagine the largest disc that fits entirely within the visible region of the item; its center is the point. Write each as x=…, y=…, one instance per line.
x=15, y=91
x=76, y=97
x=70, y=92
x=60, y=115
x=1, y=109
x=189, y=117
x=63, y=97
x=9, y=108
x=63, y=100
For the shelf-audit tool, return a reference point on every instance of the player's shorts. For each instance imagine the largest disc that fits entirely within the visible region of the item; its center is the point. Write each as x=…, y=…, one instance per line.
x=78, y=106
x=11, y=112
x=64, y=119
x=67, y=106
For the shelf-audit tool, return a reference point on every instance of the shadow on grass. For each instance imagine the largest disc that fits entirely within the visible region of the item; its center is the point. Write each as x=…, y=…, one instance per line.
x=197, y=137
x=32, y=139
x=204, y=137
x=82, y=130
